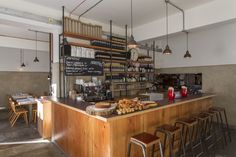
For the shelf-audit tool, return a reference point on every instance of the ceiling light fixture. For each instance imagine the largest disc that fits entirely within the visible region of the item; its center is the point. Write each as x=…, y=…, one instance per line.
x=36, y=47
x=22, y=58
x=132, y=43
x=167, y=49
x=187, y=54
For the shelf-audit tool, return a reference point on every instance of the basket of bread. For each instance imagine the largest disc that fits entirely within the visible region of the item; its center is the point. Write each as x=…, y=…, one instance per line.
x=101, y=108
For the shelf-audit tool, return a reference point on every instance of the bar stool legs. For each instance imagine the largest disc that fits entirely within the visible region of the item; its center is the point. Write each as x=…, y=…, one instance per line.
x=172, y=134
x=145, y=140
x=224, y=123
x=191, y=134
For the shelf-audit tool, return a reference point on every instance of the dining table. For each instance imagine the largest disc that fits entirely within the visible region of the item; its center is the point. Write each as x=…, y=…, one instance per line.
x=24, y=99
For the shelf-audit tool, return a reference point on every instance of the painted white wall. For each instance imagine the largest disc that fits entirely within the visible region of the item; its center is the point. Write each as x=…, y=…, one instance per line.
x=10, y=60
x=208, y=46
x=210, y=13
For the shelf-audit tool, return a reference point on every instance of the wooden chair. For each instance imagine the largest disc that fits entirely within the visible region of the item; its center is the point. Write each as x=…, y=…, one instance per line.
x=34, y=115
x=17, y=112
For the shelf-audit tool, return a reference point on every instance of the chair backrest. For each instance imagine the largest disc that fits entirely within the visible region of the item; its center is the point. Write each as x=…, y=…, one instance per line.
x=13, y=106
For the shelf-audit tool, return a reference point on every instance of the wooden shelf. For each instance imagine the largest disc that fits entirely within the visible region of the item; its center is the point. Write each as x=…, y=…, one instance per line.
x=118, y=90
x=129, y=72
x=113, y=61
x=130, y=82
x=85, y=37
x=141, y=62
x=95, y=47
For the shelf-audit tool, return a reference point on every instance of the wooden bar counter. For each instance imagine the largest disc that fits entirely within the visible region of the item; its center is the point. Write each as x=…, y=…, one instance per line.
x=79, y=134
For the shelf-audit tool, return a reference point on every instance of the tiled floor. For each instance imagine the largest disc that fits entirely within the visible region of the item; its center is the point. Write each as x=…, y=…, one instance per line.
x=24, y=141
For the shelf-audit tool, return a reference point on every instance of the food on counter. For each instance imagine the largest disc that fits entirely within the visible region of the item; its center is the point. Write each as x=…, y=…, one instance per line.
x=103, y=105
x=131, y=105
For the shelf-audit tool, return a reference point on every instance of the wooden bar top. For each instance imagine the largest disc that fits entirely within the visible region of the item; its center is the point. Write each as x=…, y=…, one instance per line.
x=80, y=106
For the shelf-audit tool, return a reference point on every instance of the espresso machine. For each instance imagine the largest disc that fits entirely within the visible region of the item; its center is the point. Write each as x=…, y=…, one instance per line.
x=93, y=91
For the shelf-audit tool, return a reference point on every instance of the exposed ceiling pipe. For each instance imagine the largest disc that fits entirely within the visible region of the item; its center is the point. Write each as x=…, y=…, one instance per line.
x=90, y=8
x=183, y=13
x=76, y=7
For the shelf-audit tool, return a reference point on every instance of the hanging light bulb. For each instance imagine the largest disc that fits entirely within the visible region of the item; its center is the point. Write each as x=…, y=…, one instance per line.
x=167, y=49
x=36, y=47
x=187, y=54
x=49, y=77
x=132, y=43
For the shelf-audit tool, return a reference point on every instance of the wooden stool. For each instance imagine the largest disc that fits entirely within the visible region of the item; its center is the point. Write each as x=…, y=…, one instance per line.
x=145, y=140
x=224, y=123
x=191, y=135
x=17, y=112
x=171, y=133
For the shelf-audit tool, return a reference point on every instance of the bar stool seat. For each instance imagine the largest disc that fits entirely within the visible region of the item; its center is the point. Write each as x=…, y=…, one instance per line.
x=145, y=140
x=170, y=128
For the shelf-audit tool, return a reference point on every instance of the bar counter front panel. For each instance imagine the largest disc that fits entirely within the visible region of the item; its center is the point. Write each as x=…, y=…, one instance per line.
x=79, y=134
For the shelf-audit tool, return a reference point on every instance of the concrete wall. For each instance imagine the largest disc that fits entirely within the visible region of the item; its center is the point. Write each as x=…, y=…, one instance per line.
x=216, y=79
x=30, y=82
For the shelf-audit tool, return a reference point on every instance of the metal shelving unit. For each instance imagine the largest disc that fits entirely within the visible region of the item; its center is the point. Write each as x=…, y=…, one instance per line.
x=110, y=50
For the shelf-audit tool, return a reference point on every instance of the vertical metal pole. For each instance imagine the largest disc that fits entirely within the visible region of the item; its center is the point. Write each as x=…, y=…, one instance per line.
x=154, y=54
x=60, y=89
x=111, y=49
x=63, y=51
x=126, y=65
x=50, y=62
x=111, y=76
x=154, y=46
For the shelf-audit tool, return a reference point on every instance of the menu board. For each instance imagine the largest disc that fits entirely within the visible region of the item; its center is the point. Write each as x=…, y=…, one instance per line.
x=78, y=66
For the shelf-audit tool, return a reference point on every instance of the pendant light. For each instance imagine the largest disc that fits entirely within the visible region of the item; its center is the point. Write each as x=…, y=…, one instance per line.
x=167, y=49
x=187, y=54
x=22, y=58
x=132, y=43
x=36, y=47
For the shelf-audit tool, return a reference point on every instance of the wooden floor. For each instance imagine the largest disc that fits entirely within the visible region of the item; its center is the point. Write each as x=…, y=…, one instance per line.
x=23, y=141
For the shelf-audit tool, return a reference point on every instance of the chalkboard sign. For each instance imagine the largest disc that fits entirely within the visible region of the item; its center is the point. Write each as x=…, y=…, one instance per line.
x=77, y=66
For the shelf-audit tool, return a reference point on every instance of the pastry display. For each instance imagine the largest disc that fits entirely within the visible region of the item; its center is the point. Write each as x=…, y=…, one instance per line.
x=125, y=106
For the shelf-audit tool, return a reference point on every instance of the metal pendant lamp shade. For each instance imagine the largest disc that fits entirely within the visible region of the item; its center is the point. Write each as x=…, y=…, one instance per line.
x=36, y=60
x=132, y=43
x=187, y=54
x=167, y=49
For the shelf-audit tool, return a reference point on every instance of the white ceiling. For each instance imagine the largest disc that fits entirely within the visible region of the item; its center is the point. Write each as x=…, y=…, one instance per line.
x=145, y=11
